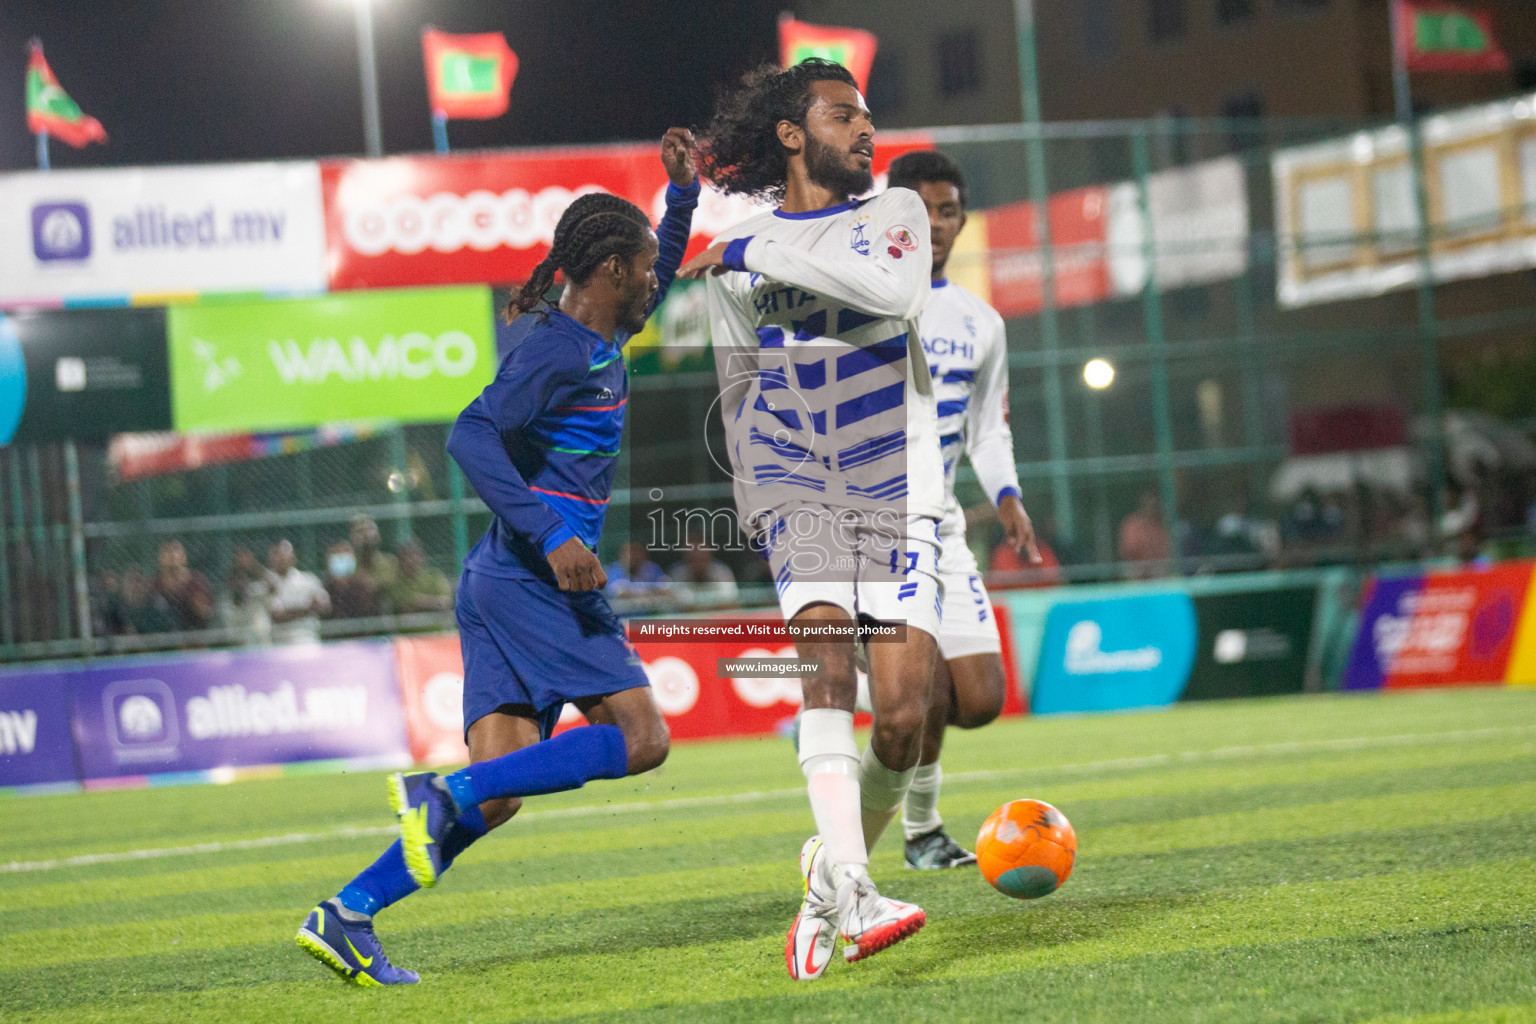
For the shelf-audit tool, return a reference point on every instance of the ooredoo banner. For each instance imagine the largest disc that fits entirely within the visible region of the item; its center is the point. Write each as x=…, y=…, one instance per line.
x=34, y=730
x=490, y=217
x=104, y=235
x=417, y=354
x=230, y=709
x=1440, y=629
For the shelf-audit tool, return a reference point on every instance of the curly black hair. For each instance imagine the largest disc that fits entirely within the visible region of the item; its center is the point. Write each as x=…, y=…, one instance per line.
x=739, y=150
x=924, y=165
x=596, y=226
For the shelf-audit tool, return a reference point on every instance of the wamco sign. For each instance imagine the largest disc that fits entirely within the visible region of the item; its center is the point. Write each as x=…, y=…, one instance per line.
x=413, y=355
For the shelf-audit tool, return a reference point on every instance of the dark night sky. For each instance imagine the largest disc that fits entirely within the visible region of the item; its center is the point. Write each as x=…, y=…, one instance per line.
x=181, y=81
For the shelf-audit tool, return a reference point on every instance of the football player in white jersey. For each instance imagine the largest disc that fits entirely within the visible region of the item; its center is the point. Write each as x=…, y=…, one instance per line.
x=832, y=440
x=967, y=354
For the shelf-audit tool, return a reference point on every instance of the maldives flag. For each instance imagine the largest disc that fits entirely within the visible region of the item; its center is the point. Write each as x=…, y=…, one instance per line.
x=468, y=76
x=1438, y=36
x=853, y=48
x=49, y=108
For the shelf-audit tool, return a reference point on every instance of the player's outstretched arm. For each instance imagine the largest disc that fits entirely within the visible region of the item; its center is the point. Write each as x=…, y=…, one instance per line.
x=682, y=199
x=892, y=281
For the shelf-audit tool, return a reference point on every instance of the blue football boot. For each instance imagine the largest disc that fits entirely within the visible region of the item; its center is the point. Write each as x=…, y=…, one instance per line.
x=351, y=950
x=426, y=811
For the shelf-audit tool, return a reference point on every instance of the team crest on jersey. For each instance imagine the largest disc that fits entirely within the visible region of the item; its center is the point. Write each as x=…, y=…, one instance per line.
x=859, y=242
x=903, y=238
x=970, y=325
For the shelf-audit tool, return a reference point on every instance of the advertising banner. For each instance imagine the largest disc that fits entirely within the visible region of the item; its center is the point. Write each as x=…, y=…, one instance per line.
x=489, y=217
x=1347, y=220
x=156, y=231
x=1078, y=233
x=411, y=355
x=432, y=693
x=35, y=747
x=1124, y=652
x=1440, y=629
x=1199, y=220
x=84, y=374
x=1251, y=644
x=230, y=709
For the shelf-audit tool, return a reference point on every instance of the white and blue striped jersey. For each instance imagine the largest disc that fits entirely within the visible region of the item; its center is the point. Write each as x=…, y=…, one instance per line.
x=825, y=392
x=967, y=352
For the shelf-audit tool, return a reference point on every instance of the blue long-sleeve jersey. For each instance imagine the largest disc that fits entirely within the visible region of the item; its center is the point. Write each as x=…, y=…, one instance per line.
x=540, y=442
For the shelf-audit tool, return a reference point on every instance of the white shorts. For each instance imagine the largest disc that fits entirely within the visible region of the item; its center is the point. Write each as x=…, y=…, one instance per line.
x=969, y=625
x=872, y=566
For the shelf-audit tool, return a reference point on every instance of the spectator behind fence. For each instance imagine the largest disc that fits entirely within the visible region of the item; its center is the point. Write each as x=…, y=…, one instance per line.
x=243, y=608
x=355, y=593
x=1144, y=539
x=634, y=575
x=372, y=560
x=420, y=587
x=140, y=610
x=706, y=582
x=186, y=592
x=298, y=598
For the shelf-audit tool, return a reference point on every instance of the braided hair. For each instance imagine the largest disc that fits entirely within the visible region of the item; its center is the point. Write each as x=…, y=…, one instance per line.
x=596, y=226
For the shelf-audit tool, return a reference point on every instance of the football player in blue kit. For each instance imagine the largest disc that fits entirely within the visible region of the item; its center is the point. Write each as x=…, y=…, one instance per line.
x=539, y=446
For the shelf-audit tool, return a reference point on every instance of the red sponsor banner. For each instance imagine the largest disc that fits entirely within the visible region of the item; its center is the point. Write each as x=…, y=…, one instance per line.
x=1078, y=235
x=695, y=703
x=1455, y=629
x=1013, y=699
x=431, y=672
x=488, y=218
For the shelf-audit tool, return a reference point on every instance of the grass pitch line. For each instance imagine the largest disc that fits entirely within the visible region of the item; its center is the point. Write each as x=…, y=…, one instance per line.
x=756, y=796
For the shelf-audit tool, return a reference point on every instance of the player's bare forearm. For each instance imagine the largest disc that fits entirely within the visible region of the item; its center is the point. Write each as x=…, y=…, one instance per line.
x=1018, y=528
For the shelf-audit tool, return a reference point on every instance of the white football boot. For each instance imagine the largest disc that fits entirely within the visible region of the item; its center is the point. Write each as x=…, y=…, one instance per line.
x=870, y=922
x=813, y=937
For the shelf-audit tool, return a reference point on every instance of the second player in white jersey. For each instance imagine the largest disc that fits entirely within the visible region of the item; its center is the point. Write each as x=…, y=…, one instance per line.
x=966, y=349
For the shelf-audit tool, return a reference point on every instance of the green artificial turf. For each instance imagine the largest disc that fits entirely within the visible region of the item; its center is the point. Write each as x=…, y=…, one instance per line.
x=1336, y=858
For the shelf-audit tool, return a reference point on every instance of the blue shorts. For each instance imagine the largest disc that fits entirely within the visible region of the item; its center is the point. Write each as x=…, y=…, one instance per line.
x=529, y=642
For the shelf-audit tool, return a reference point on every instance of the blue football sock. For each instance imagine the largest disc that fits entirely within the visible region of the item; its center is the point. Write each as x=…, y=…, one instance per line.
x=387, y=881
x=564, y=762
x=469, y=827
x=383, y=882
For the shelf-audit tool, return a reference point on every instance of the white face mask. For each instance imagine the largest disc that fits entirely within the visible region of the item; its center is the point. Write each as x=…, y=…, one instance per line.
x=343, y=565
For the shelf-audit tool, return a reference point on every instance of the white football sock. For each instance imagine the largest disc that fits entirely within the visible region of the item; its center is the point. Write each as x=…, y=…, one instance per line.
x=920, y=810
x=829, y=757
x=880, y=794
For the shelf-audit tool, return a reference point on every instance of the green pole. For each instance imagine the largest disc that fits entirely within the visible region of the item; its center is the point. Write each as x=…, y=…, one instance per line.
x=28, y=570
x=1253, y=418
x=7, y=631
x=401, y=496
x=1157, y=341
x=1428, y=323
x=77, y=542
x=1050, y=327
x=460, y=520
